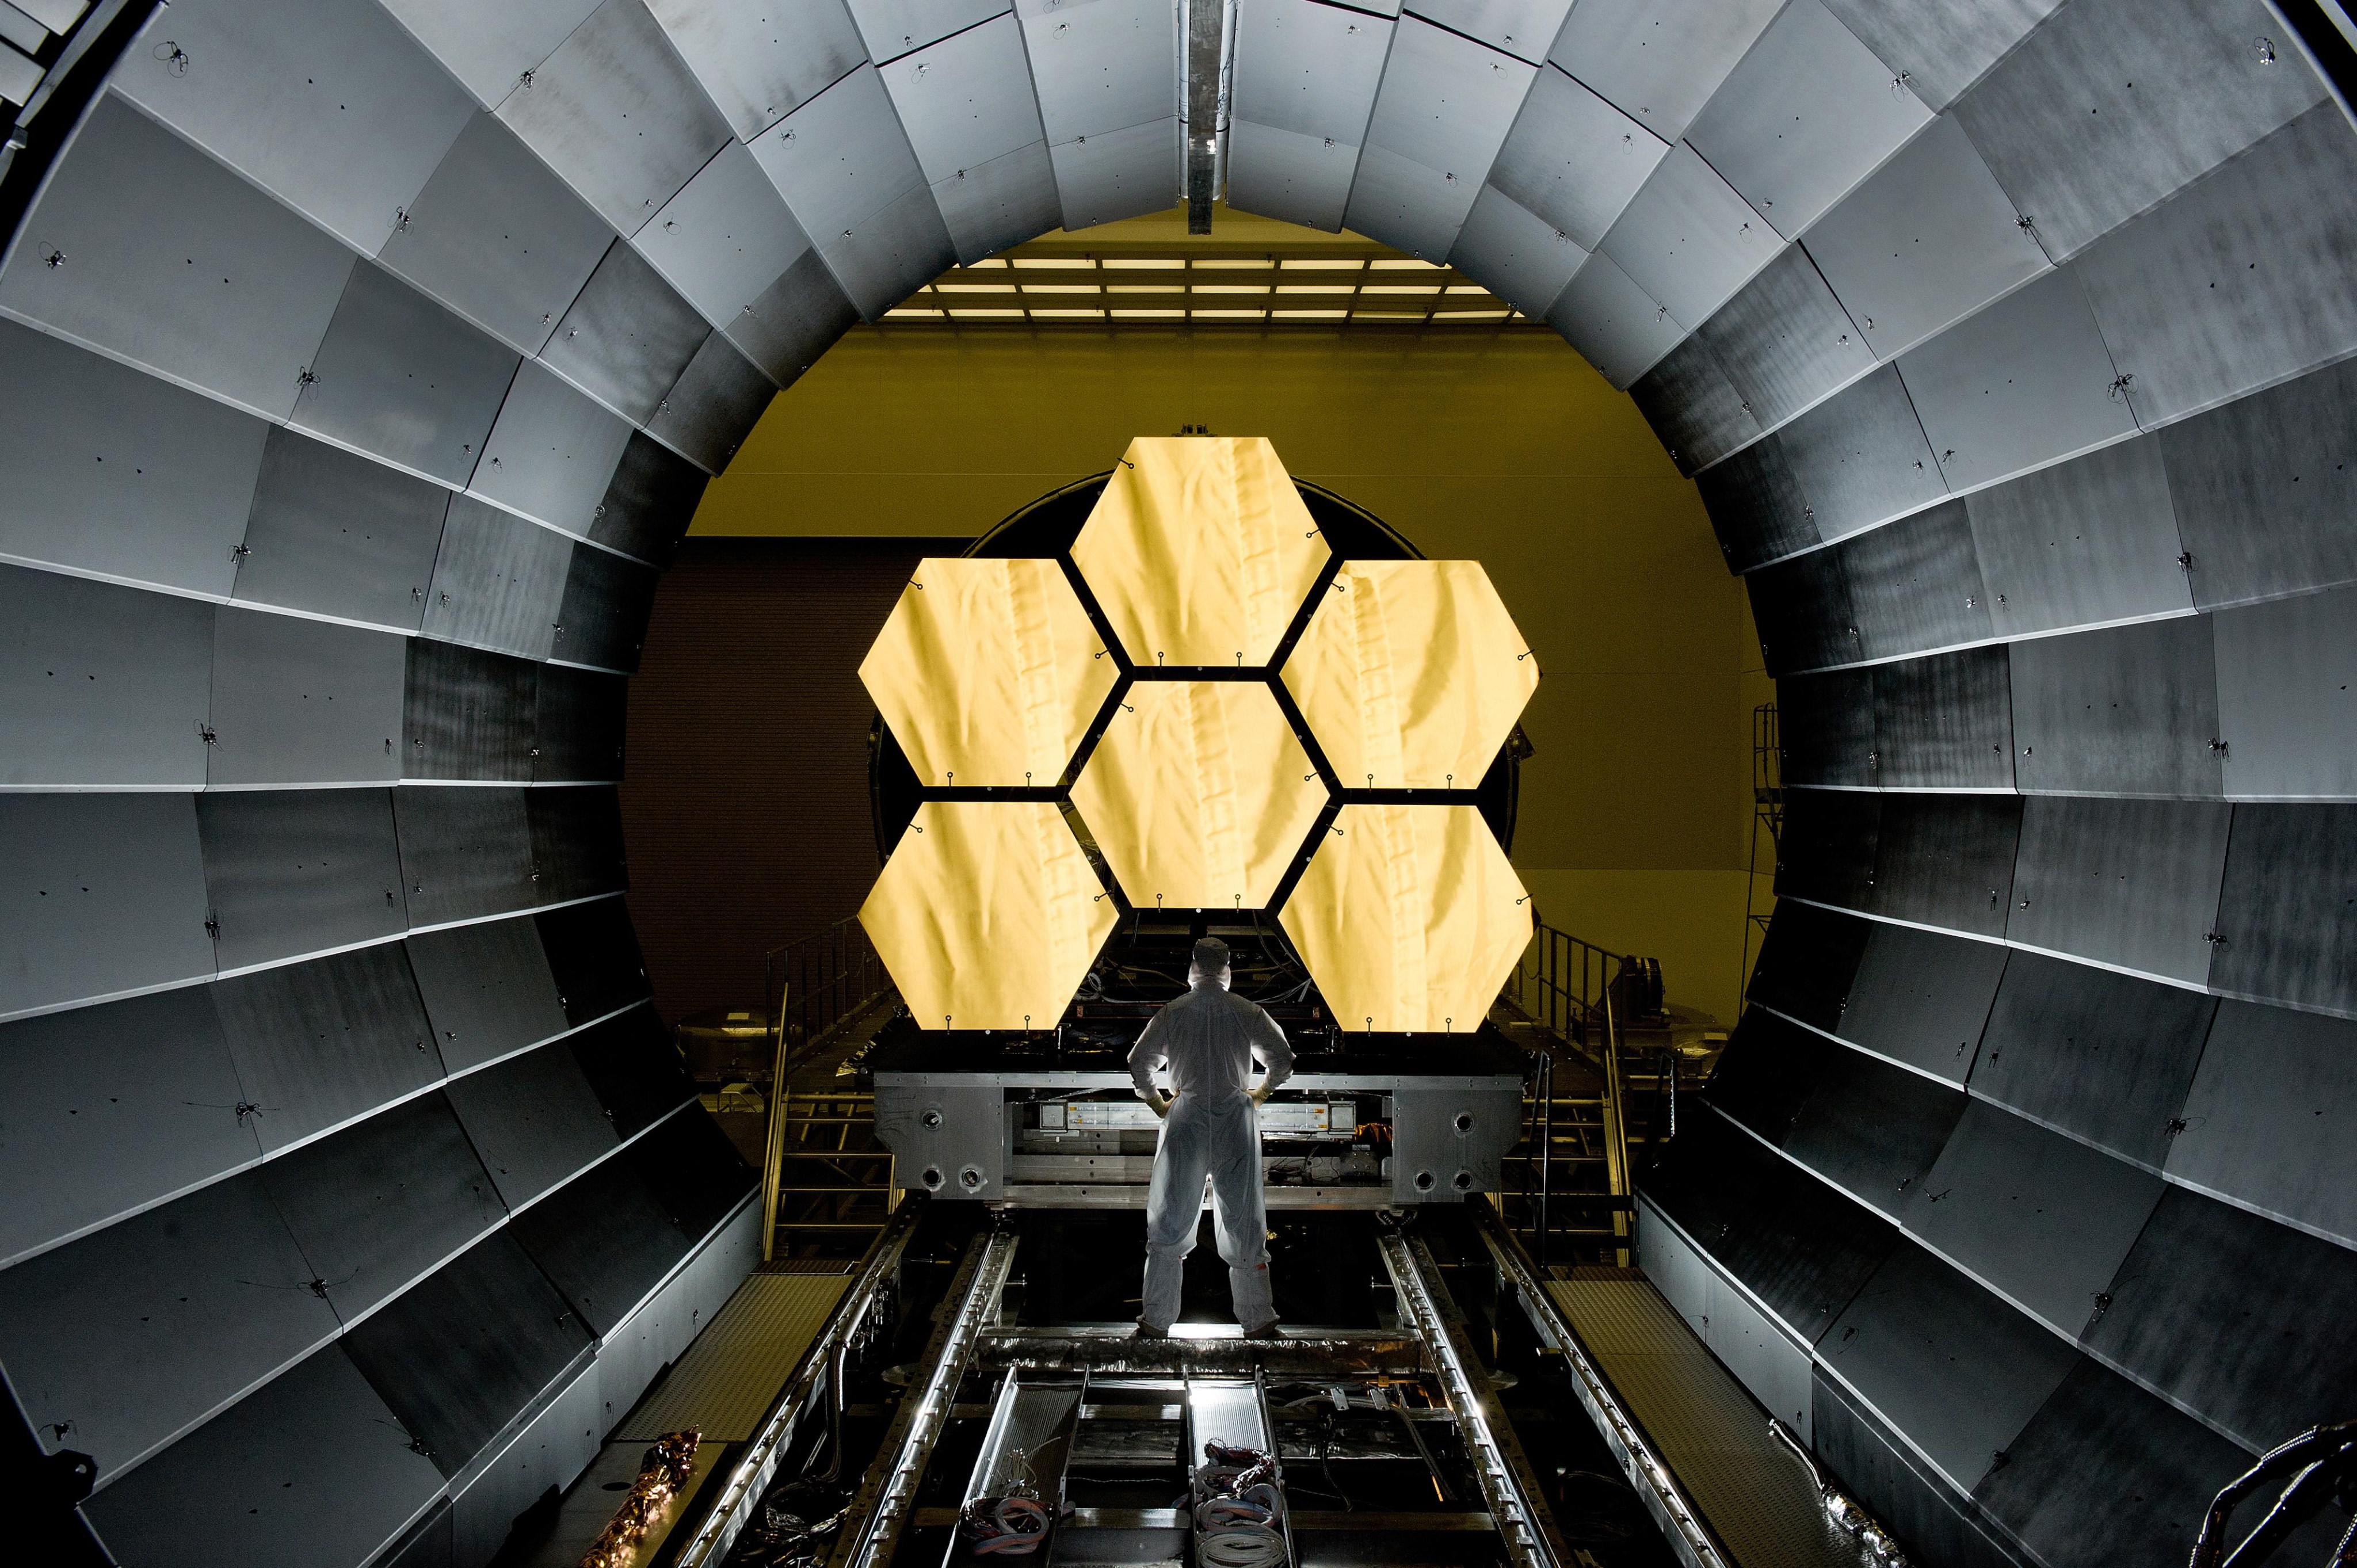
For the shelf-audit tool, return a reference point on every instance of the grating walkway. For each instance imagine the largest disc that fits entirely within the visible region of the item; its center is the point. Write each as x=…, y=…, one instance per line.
x=733, y=1371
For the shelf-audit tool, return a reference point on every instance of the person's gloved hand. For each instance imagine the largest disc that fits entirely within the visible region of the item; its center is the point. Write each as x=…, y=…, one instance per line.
x=1161, y=1104
x=1257, y=1095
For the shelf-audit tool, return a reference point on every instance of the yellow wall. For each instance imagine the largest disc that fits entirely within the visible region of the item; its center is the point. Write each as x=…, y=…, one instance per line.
x=1499, y=444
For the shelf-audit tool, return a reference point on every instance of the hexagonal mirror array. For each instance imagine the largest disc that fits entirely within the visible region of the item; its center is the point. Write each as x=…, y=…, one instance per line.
x=1236, y=749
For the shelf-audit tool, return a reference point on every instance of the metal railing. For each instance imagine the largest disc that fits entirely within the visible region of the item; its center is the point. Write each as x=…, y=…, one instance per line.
x=1767, y=813
x=1564, y=985
x=811, y=988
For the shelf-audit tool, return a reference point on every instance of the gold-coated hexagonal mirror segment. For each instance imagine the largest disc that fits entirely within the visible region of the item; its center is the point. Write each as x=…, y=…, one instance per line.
x=1411, y=674
x=988, y=672
x=1201, y=551
x=1198, y=794
x=988, y=914
x=1409, y=918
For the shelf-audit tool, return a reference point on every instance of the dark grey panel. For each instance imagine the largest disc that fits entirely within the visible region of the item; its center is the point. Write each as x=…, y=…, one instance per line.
x=464, y=853
x=1917, y=584
x=381, y=1204
x=693, y=1169
x=578, y=727
x=487, y=989
x=2088, y=540
x=1807, y=962
x=1825, y=723
x=1661, y=65
x=116, y=472
x=312, y=1469
x=2284, y=910
x=1785, y=341
x=885, y=257
x=1618, y=328
x=552, y=453
x=299, y=871
x=534, y=1121
x=2100, y=1055
x=576, y=842
x=466, y=714
x=2271, y=1119
x=760, y=66
x=2132, y=710
x=650, y=501
x=497, y=238
x=1694, y=407
x=1956, y=1370
x=403, y=379
x=2039, y=1218
x=318, y=1044
x=594, y=954
x=462, y=1354
x=617, y=114
x=100, y=685
x=498, y=581
x=338, y=535
x=627, y=336
x=132, y=1334
x=794, y=321
x=1946, y=860
x=1828, y=850
x=1802, y=608
x=487, y=47
x=1902, y=1493
x=1921, y=999
x=1521, y=257
x=604, y=1239
x=112, y=1107
x=2283, y=673
x=602, y=620
x=2287, y=1363
x=303, y=702
x=1768, y=1073
x=1573, y=159
x=431, y=1542
x=2264, y=487
x=100, y=895
x=714, y=404
x=1873, y=1130
x=2146, y=93
x=1943, y=45
x=2233, y=284
x=1945, y=722
x=2132, y=883
x=1860, y=456
x=175, y=263
x=1757, y=509
x=631, y=1067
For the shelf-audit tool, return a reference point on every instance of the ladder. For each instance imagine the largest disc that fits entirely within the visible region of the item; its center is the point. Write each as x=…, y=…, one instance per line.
x=829, y=1189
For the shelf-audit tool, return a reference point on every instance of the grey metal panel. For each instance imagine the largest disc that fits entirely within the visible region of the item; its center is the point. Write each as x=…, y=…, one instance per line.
x=497, y=238
x=1826, y=852
x=2100, y=1055
x=552, y=452
x=487, y=47
x=1102, y=67
x=577, y=841
x=594, y=954
x=176, y=264
x=1785, y=340
x=100, y=895
x=1687, y=239
x=1521, y=28
x=578, y=727
x=464, y=853
x=604, y=1241
x=2282, y=910
x=113, y=1106
x=2271, y=1119
x=841, y=158
x=1860, y=456
x=1307, y=70
x=1873, y=1130
x=2024, y=382
x=627, y=336
x=2264, y=487
x=534, y=1119
x=299, y=871
x=1699, y=418
x=1944, y=45
x=890, y=28
x=653, y=494
x=2147, y=94
x=1803, y=608
x=1446, y=102
x=760, y=64
x=100, y=685
x=466, y=714
x=318, y=1044
x=1917, y=584
x=487, y=989
x=1656, y=63
x=714, y=406
x=549, y=1449
x=428, y=1543
x=603, y=618
x=725, y=237
x=1518, y=256
x=116, y=472
x=131, y=1333
x=799, y=317
x=2084, y=542
x=986, y=209
x=1825, y=723
x=1760, y=514
x=1770, y=1069
x=1807, y=115
x=1922, y=999
x=1618, y=328
x=2041, y=1219
x=2284, y=673
x=1808, y=962
x=1928, y=240
x=2287, y=1364
x=1945, y=722
x=2231, y=286
x=1868, y=1461
x=2129, y=711
x=1116, y=174
x=1574, y=159
x=347, y=147
x=966, y=98
x=336, y=534
x=497, y=580
x=299, y=702
x=1764, y=1356
x=2132, y=883
x=693, y=1167
x=1956, y=1370
x=1401, y=203
x=631, y=1066
x=617, y=114
x=1946, y=860
x=1291, y=177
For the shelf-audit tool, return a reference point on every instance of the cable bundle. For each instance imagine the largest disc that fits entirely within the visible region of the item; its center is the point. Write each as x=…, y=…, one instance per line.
x=1012, y=1525
x=1239, y=1512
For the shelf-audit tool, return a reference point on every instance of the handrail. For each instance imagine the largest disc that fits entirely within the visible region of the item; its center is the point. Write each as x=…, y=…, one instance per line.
x=824, y=981
x=1564, y=985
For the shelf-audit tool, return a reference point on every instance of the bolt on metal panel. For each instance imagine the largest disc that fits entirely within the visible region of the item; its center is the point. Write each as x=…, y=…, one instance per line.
x=1803, y=608
x=1826, y=728
x=1656, y=64
x=1945, y=722
x=1771, y=1069
x=2133, y=710
x=760, y=64
x=841, y=158
x=498, y=581
x=799, y=317
x=487, y=47
x=1518, y=256
x=725, y=237
x=2089, y=540
x=2284, y=671
x=890, y=28
x=551, y=453
x=1861, y=457
x=1785, y=341
x=1872, y=1129
x=1916, y=584
x=464, y=853
x=1573, y=159
x=1440, y=115
x=336, y=534
x=100, y=685
x=602, y=620
x=146, y=249
x=966, y=98
x=1808, y=962
x=1826, y=852
x=2271, y=1119
x=594, y=954
x=319, y=1044
x=577, y=841
x=986, y=209
x=2131, y=883
x=102, y=895
x=577, y=726
x=360, y=114
x=534, y=1119
x=301, y=702
x=2283, y=932
x=1687, y=239
x=1617, y=327
x=1307, y=70
x=1403, y=204
x=1696, y=412
x=1946, y=860
x=487, y=988
x=2264, y=487
x=1104, y=67
x=1921, y=999
x=710, y=410
x=1764, y=1356
x=550, y=1445
x=298, y=870
x=1117, y=174
x=627, y=336
x=1288, y=176
x=1944, y=45
x=1522, y=29
x=1759, y=514
x=466, y=714
x=604, y=1241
